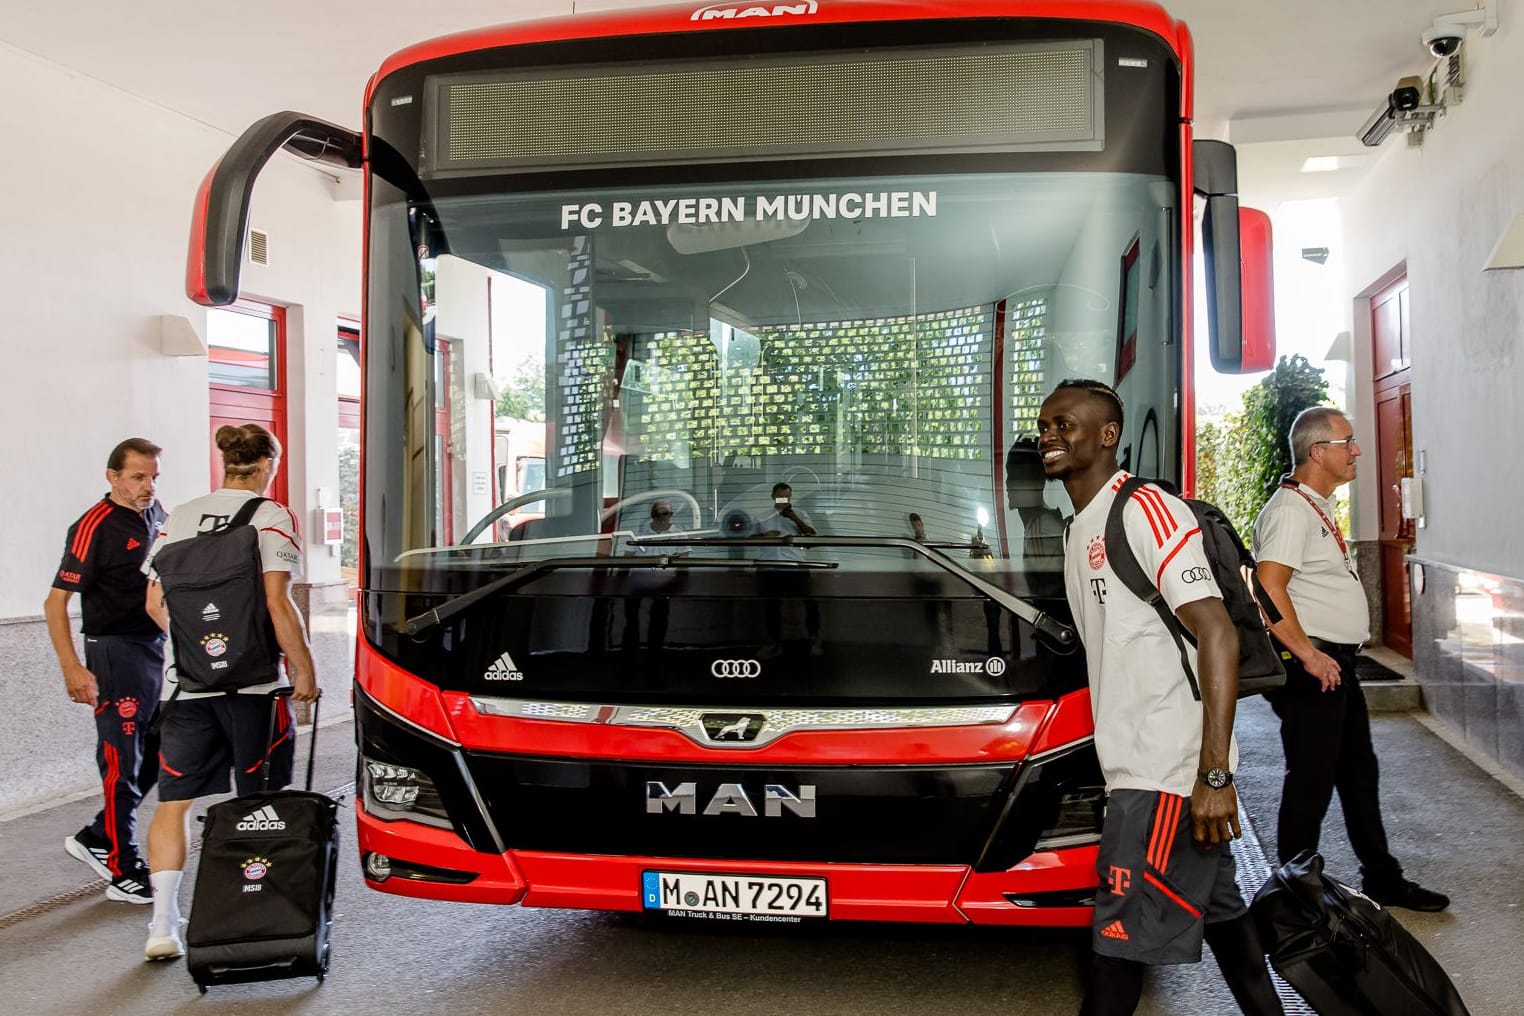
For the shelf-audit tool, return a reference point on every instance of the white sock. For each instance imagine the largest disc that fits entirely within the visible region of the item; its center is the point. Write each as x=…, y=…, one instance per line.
x=166, y=902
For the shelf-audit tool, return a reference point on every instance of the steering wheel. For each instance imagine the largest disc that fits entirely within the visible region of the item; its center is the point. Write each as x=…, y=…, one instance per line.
x=506, y=507
x=793, y=471
x=655, y=495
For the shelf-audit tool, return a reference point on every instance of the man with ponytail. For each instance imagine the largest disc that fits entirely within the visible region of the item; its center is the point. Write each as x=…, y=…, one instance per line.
x=207, y=734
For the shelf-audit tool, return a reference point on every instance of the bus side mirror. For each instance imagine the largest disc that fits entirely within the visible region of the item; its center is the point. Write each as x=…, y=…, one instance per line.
x=1255, y=252
x=1236, y=252
x=221, y=216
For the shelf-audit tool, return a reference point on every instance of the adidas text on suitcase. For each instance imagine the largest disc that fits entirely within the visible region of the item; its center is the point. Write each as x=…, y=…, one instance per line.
x=1342, y=952
x=263, y=902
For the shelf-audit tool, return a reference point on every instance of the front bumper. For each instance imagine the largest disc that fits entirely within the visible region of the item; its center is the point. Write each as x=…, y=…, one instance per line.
x=1047, y=889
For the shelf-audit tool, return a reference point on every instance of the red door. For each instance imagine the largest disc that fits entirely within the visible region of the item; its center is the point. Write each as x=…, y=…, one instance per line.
x=246, y=376
x=1394, y=458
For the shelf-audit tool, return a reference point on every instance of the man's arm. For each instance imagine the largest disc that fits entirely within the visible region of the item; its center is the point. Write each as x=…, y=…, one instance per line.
x=1276, y=577
x=805, y=529
x=291, y=636
x=155, y=607
x=79, y=683
x=1214, y=812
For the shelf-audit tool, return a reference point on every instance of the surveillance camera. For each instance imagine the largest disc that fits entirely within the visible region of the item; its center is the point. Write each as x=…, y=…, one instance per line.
x=1408, y=94
x=1444, y=40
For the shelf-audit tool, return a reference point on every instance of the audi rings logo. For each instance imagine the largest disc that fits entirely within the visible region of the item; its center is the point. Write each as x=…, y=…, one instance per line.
x=1197, y=574
x=736, y=668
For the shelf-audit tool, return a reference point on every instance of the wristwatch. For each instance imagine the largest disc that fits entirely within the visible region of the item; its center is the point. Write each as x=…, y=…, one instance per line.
x=1215, y=778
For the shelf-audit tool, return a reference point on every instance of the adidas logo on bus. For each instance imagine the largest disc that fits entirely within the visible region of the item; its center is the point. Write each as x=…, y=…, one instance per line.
x=503, y=669
x=263, y=820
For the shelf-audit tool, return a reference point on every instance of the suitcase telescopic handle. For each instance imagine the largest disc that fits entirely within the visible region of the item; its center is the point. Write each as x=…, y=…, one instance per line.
x=275, y=697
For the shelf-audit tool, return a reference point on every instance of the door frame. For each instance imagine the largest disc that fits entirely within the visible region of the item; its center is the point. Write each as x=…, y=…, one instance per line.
x=236, y=404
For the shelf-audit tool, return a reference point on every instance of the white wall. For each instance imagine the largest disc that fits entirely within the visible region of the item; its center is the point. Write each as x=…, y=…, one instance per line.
x=1440, y=208
x=99, y=187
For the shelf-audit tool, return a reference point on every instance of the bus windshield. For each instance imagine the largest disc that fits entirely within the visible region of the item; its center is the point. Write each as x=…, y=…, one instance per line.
x=713, y=373
x=879, y=345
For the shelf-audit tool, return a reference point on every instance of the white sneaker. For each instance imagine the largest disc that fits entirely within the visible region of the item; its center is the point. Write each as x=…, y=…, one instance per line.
x=164, y=947
x=96, y=855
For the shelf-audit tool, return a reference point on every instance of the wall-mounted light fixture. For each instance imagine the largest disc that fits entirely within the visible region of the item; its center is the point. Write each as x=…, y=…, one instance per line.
x=1509, y=252
x=178, y=337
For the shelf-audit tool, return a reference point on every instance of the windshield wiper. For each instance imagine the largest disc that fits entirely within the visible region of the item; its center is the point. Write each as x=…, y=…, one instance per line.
x=448, y=609
x=1062, y=634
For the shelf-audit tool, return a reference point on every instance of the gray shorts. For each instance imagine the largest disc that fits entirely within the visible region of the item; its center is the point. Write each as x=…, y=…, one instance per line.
x=1159, y=887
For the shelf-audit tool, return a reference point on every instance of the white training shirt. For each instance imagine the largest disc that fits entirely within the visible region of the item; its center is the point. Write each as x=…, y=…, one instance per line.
x=783, y=526
x=280, y=549
x=1324, y=589
x=1147, y=723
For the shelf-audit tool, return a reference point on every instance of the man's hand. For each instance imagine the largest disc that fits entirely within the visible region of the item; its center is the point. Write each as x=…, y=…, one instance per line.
x=1214, y=814
x=304, y=686
x=80, y=685
x=1323, y=667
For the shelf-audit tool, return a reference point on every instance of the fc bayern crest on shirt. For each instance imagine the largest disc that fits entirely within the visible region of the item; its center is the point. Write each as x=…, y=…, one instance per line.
x=1097, y=552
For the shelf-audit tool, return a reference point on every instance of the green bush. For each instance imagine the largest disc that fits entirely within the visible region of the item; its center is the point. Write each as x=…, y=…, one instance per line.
x=1240, y=461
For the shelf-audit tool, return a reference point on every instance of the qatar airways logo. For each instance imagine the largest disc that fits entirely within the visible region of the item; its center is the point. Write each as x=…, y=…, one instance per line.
x=734, y=12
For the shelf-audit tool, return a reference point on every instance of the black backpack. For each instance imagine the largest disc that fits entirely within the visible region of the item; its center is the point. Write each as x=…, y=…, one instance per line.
x=1259, y=661
x=214, y=589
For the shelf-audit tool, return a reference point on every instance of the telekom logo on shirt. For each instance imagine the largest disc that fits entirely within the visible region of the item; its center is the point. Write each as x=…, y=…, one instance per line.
x=1097, y=552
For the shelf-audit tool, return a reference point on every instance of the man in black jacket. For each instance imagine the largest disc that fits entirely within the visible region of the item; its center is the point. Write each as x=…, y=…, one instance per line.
x=124, y=658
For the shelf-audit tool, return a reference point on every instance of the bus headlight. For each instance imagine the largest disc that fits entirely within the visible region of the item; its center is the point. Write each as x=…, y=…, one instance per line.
x=394, y=792
x=1080, y=811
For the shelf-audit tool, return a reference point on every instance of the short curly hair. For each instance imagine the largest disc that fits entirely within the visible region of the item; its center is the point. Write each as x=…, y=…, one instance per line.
x=1099, y=390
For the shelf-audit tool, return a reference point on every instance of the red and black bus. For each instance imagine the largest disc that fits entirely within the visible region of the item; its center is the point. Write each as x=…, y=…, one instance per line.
x=783, y=285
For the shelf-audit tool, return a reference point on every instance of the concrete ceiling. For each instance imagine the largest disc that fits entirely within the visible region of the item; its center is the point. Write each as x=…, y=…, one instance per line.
x=1296, y=76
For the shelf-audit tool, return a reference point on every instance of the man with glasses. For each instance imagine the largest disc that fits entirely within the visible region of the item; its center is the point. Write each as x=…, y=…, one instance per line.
x=1306, y=568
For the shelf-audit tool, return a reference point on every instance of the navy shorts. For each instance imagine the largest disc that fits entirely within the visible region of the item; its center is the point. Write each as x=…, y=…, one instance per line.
x=1159, y=887
x=204, y=738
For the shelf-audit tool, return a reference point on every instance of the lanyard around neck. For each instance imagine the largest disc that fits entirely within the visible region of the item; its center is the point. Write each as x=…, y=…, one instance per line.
x=1332, y=527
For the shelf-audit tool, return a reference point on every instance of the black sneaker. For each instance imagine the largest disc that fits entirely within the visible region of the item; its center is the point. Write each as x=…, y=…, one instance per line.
x=131, y=886
x=91, y=850
x=1408, y=895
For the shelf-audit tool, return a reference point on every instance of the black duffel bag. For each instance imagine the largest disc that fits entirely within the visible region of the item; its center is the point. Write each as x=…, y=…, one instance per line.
x=1342, y=951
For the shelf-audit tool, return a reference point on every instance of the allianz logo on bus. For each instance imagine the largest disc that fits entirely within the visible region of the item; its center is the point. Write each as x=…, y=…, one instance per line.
x=716, y=12
x=994, y=666
x=730, y=799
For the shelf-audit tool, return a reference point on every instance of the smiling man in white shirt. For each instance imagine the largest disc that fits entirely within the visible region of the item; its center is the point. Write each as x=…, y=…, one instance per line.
x=1167, y=874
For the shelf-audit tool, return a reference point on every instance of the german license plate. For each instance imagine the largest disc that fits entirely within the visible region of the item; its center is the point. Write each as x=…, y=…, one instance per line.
x=747, y=897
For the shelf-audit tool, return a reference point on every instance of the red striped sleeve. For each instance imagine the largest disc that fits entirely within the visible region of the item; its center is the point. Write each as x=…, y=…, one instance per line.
x=282, y=532
x=1166, y=518
x=1159, y=575
x=85, y=531
x=1150, y=514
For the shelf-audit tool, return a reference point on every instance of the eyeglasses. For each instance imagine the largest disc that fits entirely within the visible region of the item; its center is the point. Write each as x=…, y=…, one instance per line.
x=1345, y=441
x=661, y=514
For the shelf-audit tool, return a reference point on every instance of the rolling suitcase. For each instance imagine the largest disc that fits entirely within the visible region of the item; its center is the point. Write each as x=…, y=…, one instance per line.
x=263, y=902
x=1343, y=952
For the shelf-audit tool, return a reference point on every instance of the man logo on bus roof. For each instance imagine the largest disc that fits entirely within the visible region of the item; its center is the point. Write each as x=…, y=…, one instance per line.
x=716, y=12
x=733, y=726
